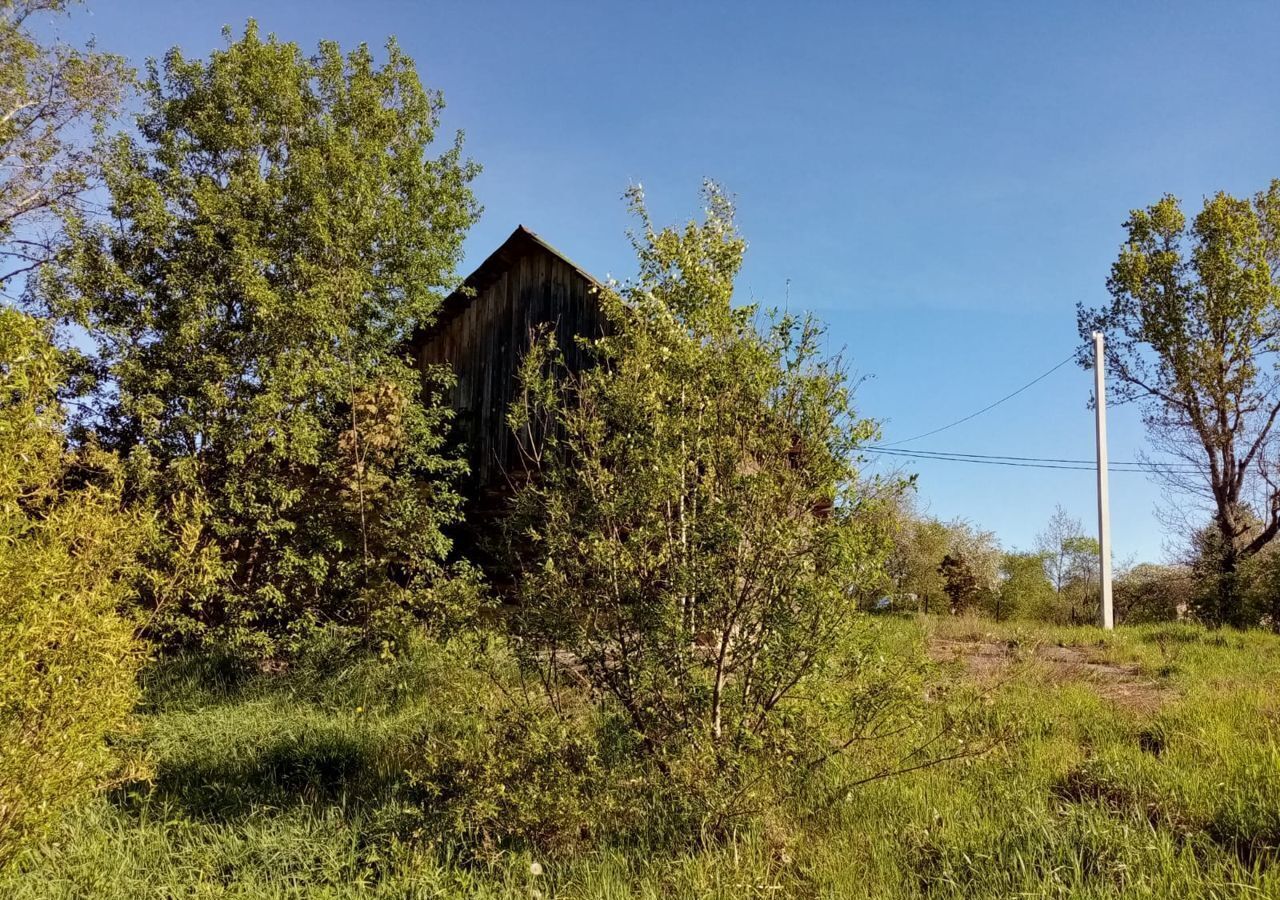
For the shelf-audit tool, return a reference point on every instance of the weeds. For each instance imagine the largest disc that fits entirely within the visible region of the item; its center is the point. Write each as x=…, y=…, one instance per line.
x=328, y=780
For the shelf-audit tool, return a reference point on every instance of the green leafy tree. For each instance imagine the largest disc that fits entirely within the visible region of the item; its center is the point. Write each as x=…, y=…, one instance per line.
x=1071, y=565
x=68, y=657
x=278, y=228
x=1153, y=593
x=693, y=529
x=1215, y=577
x=918, y=546
x=1193, y=331
x=51, y=96
x=1025, y=590
x=1080, y=593
x=959, y=583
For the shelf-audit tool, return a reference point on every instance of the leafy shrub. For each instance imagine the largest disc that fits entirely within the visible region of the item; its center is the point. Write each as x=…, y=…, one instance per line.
x=277, y=231
x=1260, y=584
x=504, y=765
x=1152, y=593
x=1025, y=590
x=694, y=533
x=68, y=658
x=518, y=773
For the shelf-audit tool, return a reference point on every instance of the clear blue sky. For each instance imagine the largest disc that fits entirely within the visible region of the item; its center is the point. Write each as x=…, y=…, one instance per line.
x=942, y=182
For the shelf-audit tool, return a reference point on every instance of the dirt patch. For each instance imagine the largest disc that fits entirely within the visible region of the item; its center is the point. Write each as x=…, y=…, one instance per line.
x=989, y=660
x=985, y=659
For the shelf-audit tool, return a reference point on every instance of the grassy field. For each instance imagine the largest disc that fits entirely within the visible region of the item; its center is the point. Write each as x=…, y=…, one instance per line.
x=1144, y=763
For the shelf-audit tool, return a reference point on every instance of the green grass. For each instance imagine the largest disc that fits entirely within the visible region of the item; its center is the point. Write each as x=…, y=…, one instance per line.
x=294, y=786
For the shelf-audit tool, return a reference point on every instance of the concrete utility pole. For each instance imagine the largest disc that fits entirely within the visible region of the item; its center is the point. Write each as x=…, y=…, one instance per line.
x=1104, y=499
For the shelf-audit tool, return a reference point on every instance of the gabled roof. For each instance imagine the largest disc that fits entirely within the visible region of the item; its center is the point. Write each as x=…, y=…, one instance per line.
x=521, y=242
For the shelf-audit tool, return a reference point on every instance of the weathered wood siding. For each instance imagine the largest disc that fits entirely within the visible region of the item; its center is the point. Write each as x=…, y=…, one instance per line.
x=523, y=286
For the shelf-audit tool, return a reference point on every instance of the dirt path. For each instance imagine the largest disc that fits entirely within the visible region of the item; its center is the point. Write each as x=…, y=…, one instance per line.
x=988, y=660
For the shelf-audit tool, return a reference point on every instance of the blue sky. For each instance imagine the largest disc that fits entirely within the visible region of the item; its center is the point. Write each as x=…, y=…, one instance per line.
x=941, y=182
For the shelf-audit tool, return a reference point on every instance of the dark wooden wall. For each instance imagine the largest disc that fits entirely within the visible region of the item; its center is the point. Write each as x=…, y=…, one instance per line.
x=524, y=285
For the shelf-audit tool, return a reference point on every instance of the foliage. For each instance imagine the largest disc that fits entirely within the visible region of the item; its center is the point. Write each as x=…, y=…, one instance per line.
x=50, y=94
x=1152, y=593
x=919, y=544
x=694, y=526
x=1261, y=575
x=1025, y=590
x=524, y=775
x=1259, y=585
x=67, y=656
x=277, y=233
x=293, y=785
x=1071, y=564
x=1193, y=330
x=959, y=583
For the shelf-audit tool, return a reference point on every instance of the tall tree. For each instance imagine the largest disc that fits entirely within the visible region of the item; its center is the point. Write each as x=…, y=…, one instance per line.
x=1193, y=331
x=959, y=582
x=693, y=528
x=1071, y=565
x=278, y=229
x=52, y=96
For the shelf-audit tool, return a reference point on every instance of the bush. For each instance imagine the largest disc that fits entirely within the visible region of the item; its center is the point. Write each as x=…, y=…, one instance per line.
x=504, y=765
x=512, y=771
x=1260, y=582
x=68, y=657
x=1025, y=590
x=1153, y=593
x=695, y=532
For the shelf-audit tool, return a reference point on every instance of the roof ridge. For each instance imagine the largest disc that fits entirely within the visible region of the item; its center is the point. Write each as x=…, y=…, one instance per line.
x=496, y=262
x=551, y=248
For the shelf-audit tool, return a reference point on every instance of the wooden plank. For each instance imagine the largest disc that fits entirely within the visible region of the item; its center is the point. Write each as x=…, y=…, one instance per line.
x=485, y=340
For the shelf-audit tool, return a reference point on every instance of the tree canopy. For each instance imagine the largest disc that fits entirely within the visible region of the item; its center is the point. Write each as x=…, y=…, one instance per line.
x=277, y=230
x=51, y=94
x=1192, y=331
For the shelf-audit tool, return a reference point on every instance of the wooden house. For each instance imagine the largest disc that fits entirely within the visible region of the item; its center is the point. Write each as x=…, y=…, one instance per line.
x=483, y=331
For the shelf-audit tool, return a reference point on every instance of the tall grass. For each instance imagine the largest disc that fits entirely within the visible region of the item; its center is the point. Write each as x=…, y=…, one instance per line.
x=296, y=786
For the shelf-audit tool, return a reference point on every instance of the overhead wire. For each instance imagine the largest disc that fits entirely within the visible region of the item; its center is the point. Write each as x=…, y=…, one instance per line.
x=1032, y=462
x=895, y=449
x=984, y=409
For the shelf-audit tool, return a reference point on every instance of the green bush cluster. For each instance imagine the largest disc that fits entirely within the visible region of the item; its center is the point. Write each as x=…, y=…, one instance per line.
x=277, y=229
x=696, y=527
x=68, y=655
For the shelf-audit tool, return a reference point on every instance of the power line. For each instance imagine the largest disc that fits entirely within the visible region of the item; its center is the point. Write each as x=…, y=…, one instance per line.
x=947, y=454
x=1024, y=462
x=985, y=462
x=894, y=448
x=1030, y=383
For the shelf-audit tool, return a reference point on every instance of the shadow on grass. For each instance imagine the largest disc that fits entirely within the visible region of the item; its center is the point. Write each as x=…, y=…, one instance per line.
x=225, y=740
x=195, y=679
x=319, y=768
x=1253, y=837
